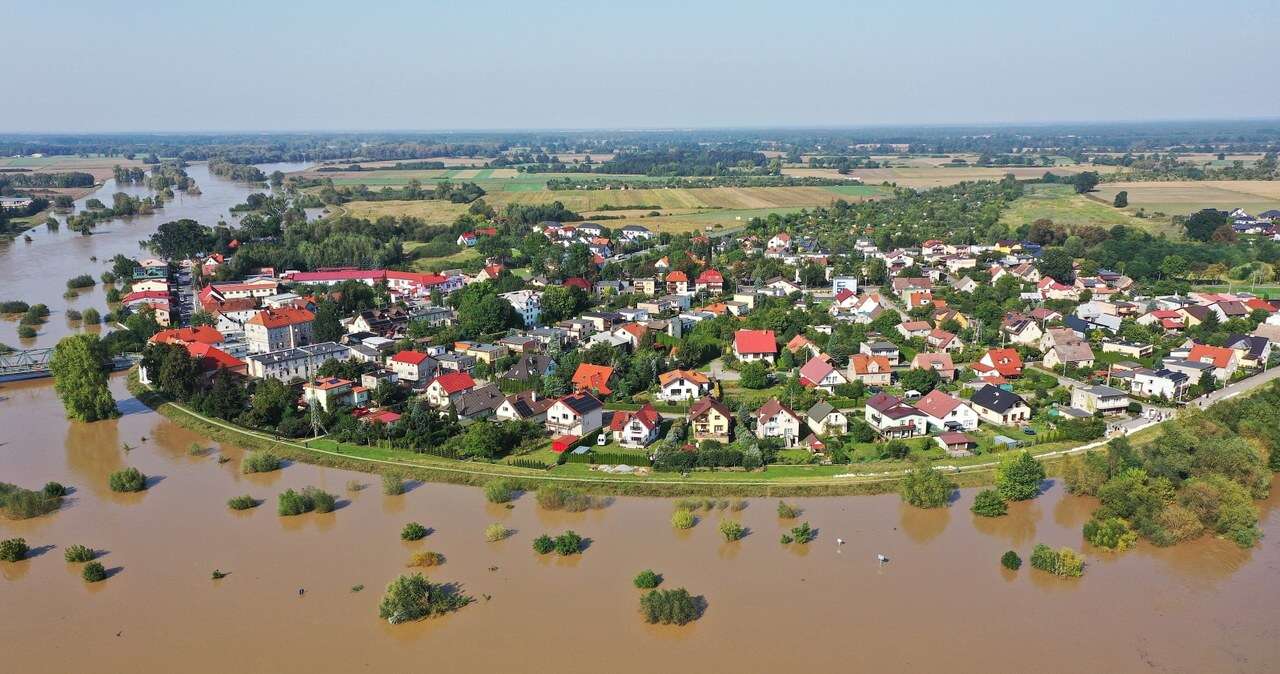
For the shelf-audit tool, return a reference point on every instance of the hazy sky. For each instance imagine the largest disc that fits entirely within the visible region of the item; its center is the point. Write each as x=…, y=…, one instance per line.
x=309, y=65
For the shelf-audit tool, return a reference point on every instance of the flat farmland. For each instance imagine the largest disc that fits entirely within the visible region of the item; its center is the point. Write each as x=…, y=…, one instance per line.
x=1189, y=196
x=926, y=176
x=681, y=209
x=100, y=167
x=1063, y=206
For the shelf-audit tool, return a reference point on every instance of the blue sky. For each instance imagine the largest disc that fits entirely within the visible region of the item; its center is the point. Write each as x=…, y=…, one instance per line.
x=231, y=65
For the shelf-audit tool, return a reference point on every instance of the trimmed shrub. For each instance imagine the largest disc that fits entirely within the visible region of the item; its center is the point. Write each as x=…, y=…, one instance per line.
x=683, y=519
x=668, y=607
x=413, y=598
x=732, y=530
x=93, y=572
x=127, y=480
x=989, y=503
x=1010, y=560
x=13, y=550
x=78, y=553
x=647, y=580
x=499, y=491
x=413, y=532
x=242, y=502
x=260, y=462
x=543, y=544
x=495, y=532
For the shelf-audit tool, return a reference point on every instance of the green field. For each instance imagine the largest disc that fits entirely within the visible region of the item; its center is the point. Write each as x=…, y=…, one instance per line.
x=1063, y=206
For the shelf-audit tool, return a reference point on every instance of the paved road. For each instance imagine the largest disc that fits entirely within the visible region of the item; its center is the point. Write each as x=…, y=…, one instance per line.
x=719, y=371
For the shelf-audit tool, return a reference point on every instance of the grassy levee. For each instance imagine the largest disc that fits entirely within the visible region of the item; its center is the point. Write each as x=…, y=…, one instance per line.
x=776, y=481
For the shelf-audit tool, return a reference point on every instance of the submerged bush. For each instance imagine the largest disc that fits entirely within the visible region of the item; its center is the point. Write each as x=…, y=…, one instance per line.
x=426, y=558
x=647, y=580
x=1112, y=533
x=20, y=504
x=732, y=530
x=127, y=480
x=499, y=491
x=78, y=553
x=411, y=597
x=669, y=607
x=392, y=485
x=551, y=497
x=260, y=462
x=90, y=316
x=495, y=532
x=787, y=512
x=683, y=519
x=13, y=550
x=413, y=532
x=309, y=499
x=543, y=544
x=1061, y=562
x=242, y=502
x=989, y=503
x=924, y=487
x=93, y=572
x=54, y=489
x=803, y=533
x=568, y=543
x=1010, y=560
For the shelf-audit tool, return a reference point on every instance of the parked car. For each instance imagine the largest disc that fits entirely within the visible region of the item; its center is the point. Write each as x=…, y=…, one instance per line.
x=1027, y=430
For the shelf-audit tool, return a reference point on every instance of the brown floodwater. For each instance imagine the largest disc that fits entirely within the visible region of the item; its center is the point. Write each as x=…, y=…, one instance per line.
x=942, y=603
x=37, y=271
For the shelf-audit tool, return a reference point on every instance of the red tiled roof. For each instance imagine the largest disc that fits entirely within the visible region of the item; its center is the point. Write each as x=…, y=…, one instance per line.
x=410, y=357
x=937, y=404
x=710, y=276
x=814, y=371
x=593, y=377
x=211, y=357
x=1005, y=361
x=454, y=382
x=677, y=276
x=755, y=341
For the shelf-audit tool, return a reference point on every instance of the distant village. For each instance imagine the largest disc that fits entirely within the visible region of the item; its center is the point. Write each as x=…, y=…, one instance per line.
x=904, y=359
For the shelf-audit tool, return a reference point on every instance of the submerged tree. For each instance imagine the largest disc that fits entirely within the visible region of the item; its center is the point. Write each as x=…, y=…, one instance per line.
x=80, y=378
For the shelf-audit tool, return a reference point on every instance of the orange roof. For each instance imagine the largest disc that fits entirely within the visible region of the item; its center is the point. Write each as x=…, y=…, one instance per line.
x=593, y=377
x=861, y=364
x=455, y=381
x=200, y=333
x=677, y=277
x=327, y=383
x=1005, y=361
x=279, y=318
x=689, y=375
x=1220, y=356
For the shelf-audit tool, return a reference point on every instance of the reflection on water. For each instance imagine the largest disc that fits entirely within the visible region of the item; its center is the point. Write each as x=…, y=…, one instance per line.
x=1200, y=607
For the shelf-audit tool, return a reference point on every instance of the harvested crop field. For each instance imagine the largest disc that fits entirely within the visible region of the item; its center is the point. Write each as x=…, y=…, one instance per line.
x=100, y=167
x=1188, y=196
x=925, y=176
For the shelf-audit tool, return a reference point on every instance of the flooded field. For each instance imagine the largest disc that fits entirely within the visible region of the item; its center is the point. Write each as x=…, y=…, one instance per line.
x=37, y=271
x=942, y=603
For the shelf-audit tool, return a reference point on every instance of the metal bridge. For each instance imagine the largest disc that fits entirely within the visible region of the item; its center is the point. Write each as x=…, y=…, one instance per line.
x=25, y=364
x=34, y=363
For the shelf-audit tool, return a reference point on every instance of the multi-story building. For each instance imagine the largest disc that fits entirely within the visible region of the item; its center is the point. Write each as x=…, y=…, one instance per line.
x=297, y=363
x=276, y=329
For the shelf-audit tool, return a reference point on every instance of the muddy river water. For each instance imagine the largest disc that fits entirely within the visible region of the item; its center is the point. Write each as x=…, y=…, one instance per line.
x=942, y=603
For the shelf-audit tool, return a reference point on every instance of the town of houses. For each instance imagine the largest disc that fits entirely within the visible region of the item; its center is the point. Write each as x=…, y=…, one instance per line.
x=1060, y=350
